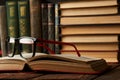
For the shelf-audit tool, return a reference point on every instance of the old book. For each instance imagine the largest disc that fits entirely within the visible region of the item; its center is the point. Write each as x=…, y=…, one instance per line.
x=24, y=21
x=87, y=3
x=12, y=18
x=51, y=25
x=109, y=19
x=57, y=28
x=35, y=19
x=24, y=18
x=3, y=30
x=109, y=56
x=90, y=29
x=91, y=38
x=93, y=46
x=44, y=13
x=90, y=11
x=54, y=63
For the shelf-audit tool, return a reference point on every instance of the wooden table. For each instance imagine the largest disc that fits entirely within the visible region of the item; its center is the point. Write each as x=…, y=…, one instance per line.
x=113, y=74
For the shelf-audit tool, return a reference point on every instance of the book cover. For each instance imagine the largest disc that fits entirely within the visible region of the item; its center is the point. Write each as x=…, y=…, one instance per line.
x=110, y=56
x=24, y=21
x=108, y=19
x=12, y=18
x=35, y=20
x=24, y=17
x=44, y=12
x=107, y=10
x=57, y=29
x=91, y=38
x=86, y=3
x=51, y=25
x=93, y=46
x=90, y=29
x=3, y=30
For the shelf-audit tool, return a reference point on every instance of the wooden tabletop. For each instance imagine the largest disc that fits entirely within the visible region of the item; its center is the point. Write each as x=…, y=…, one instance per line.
x=113, y=74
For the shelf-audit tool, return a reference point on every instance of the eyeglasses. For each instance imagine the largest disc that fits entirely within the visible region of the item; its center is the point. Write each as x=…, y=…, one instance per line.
x=20, y=46
x=25, y=44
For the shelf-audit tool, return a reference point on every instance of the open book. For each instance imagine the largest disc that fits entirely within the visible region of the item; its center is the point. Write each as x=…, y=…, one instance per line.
x=54, y=63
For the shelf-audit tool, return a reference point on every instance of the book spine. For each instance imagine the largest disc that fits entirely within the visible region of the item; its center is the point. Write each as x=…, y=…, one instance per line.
x=57, y=32
x=44, y=11
x=35, y=19
x=51, y=25
x=12, y=18
x=3, y=30
x=24, y=17
x=24, y=22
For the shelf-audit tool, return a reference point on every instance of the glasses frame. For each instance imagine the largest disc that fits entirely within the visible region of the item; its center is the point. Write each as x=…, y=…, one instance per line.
x=18, y=44
x=39, y=42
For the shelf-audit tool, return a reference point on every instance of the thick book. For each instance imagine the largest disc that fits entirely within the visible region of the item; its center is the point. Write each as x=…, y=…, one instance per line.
x=44, y=13
x=109, y=19
x=90, y=11
x=93, y=46
x=3, y=30
x=87, y=3
x=35, y=19
x=110, y=56
x=90, y=29
x=24, y=21
x=57, y=28
x=91, y=38
x=12, y=18
x=54, y=63
x=51, y=25
x=24, y=17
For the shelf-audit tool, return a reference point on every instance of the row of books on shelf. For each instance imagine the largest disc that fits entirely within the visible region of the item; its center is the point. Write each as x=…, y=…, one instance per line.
x=29, y=18
x=93, y=26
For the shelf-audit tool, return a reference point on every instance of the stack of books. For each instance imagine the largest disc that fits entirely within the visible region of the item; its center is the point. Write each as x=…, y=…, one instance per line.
x=93, y=26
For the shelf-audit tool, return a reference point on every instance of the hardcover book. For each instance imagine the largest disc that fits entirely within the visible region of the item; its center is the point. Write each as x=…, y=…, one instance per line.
x=12, y=18
x=91, y=38
x=44, y=13
x=90, y=11
x=110, y=56
x=3, y=30
x=35, y=19
x=24, y=18
x=87, y=3
x=24, y=21
x=90, y=29
x=109, y=19
x=54, y=63
x=51, y=25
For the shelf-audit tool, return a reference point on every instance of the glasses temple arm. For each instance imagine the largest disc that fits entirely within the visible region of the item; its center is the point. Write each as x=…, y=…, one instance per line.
x=60, y=43
x=51, y=51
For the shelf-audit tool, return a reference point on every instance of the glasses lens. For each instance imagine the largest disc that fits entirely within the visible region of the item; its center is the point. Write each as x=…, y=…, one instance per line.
x=26, y=47
x=10, y=46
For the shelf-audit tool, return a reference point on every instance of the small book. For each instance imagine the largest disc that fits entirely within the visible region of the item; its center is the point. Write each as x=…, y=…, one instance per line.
x=54, y=63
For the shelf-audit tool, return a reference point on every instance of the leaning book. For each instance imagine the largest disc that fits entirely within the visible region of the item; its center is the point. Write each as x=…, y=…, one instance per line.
x=54, y=63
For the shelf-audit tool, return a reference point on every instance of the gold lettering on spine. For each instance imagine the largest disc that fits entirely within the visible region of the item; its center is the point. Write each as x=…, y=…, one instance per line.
x=12, y=11
x=22, y=27
x=22, y=11
x=12, y=28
